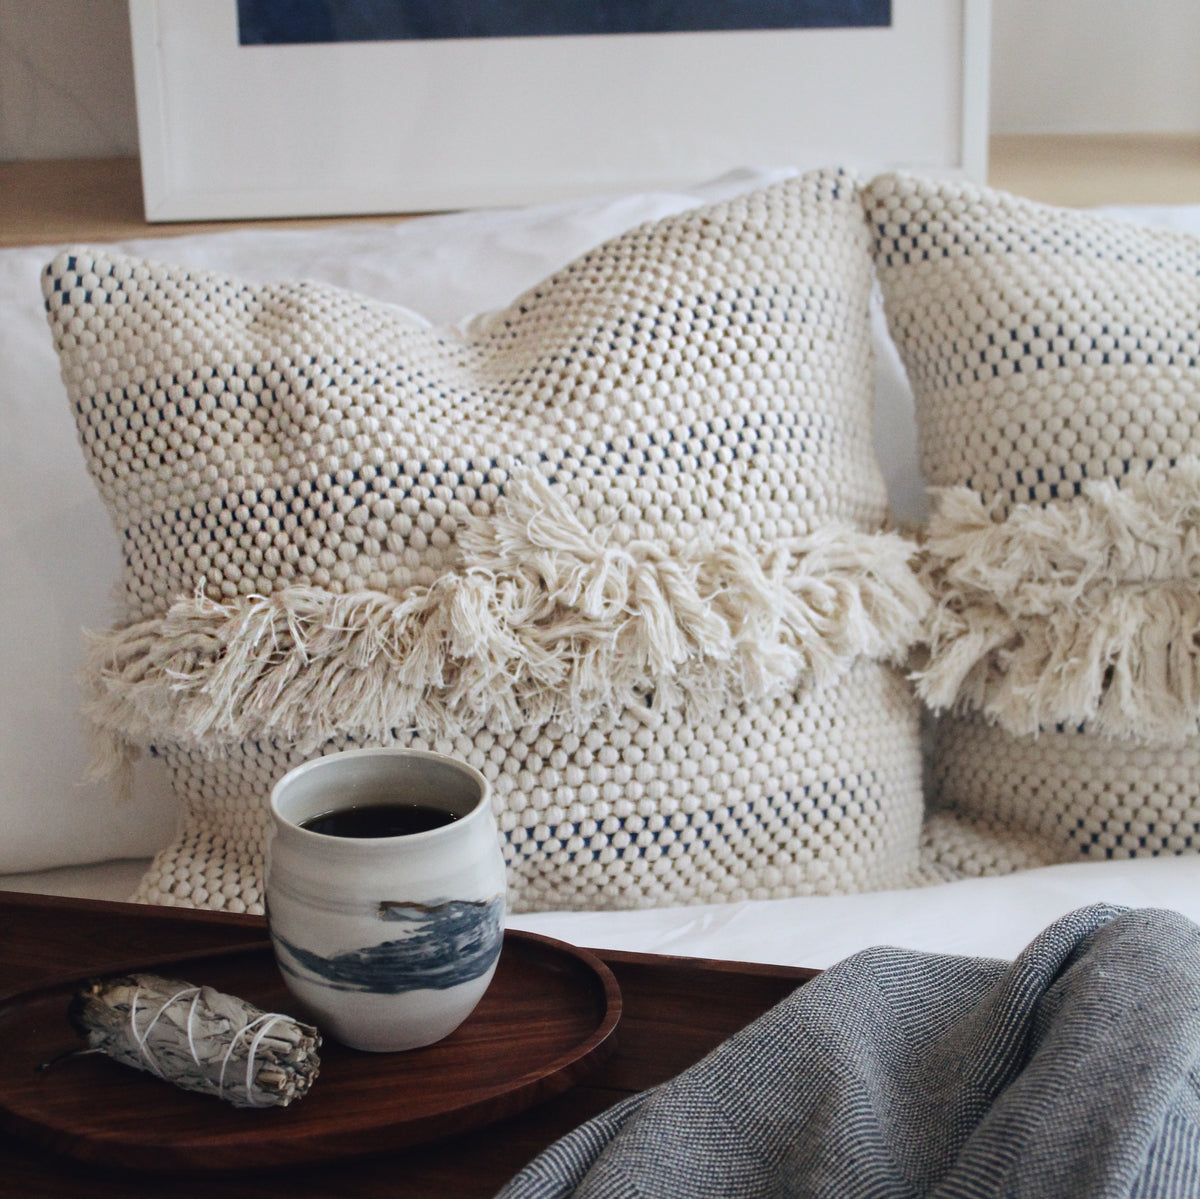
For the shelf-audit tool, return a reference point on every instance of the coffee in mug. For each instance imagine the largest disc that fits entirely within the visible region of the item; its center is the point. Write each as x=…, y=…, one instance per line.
x=385, y=893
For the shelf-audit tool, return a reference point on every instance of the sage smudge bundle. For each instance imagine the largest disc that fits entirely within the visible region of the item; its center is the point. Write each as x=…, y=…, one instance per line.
x=199, y=1039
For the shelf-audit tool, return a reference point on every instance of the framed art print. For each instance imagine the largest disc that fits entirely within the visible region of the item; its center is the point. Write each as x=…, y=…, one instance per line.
x=271, y=108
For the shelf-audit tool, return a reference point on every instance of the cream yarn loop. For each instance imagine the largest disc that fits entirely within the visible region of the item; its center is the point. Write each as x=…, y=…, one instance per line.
x=543, y=621
x=1048, y=350
x=657, y=645
x=1083, y=611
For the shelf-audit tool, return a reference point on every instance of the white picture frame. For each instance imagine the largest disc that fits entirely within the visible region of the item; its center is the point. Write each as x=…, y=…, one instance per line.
x=230, y=132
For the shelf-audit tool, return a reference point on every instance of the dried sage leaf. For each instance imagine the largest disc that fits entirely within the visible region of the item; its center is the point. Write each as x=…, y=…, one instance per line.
x=199, y=1039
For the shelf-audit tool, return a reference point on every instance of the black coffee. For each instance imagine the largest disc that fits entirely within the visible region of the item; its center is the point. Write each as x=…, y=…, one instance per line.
x=379, y=820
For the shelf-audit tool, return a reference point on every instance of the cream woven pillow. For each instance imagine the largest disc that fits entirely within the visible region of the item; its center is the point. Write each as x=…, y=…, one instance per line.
x=617, y=545
x=1055, y=357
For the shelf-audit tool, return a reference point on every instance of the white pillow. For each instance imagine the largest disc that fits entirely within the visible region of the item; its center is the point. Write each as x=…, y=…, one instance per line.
x=61, y=556
x=618, y=545
x=1055, y=359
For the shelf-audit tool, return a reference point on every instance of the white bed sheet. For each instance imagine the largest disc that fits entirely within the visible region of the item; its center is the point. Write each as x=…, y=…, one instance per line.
x=989, y=917
x=60, y=561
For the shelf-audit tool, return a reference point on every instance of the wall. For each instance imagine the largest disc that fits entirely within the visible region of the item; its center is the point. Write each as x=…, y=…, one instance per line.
x=1095, y=66
x=1058, y=66
x=66, y=79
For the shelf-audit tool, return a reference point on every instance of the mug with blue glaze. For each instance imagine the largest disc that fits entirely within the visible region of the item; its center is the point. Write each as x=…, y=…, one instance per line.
x=388, y=940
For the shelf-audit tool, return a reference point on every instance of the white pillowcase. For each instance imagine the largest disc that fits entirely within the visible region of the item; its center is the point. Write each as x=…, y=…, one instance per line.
x=618, y=544
x=1055, y=357
x=61, y=555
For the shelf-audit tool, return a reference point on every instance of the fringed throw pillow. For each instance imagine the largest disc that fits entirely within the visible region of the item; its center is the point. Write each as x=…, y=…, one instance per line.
x=620, y=546
x=1055, y=358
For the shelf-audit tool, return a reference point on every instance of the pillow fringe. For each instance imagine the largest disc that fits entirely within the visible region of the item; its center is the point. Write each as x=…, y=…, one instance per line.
x=544, y=621
x=1085, y=611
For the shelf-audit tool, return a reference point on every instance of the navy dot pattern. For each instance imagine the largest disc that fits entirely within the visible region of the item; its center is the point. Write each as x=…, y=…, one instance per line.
x=706, y=377
x=698, y=378
x=1046, y=347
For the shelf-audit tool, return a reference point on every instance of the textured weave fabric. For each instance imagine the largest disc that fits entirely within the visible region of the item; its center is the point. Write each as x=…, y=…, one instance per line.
x=1055, y=361
x=618, y=545
x=1069, y=1074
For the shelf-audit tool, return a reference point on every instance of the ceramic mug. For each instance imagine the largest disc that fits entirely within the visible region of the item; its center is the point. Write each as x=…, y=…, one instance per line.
x=390, y=939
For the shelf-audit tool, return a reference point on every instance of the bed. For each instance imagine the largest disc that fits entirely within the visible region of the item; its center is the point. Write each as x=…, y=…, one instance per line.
x=62, y=562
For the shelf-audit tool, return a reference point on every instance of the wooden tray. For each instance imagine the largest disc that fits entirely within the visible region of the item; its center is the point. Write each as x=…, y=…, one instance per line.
x=546, y=1019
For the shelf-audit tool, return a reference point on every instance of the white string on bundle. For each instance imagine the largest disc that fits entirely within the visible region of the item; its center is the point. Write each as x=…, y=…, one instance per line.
x=199, y=1039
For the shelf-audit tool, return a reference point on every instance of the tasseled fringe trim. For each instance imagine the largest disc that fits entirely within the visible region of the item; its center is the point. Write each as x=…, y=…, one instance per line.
x=545, y=621
x=1084, y=612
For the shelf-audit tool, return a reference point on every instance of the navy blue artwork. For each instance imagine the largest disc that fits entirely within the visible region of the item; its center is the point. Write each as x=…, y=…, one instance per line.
x=444, y=945
x=291, y=22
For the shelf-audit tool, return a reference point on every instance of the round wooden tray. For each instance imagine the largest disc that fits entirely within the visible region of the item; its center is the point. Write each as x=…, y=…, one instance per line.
x=545, y=1021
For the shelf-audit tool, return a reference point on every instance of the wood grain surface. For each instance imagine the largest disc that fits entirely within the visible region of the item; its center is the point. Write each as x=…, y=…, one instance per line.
x=674, y=1011
x=57, y=201
x=543, y=1025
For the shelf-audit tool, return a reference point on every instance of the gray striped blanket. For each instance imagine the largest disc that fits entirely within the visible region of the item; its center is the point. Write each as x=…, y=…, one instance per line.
x=1072, y=1071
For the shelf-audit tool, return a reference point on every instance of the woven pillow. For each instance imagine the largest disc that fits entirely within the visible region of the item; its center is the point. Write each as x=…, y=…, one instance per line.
x=1055, y=360
x=617, y=545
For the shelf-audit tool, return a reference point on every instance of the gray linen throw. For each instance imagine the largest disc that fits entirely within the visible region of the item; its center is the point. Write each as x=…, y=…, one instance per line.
x=1069, y=1072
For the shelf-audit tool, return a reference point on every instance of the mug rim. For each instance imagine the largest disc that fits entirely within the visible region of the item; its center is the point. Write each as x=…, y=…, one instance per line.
x=314, y=765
